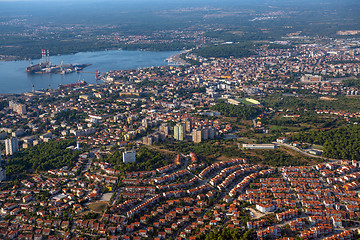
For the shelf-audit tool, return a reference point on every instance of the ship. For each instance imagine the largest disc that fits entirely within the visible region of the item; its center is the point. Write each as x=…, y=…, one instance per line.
x=45, y=66
x=73, y=85
x=61, y=69
x=36, y=67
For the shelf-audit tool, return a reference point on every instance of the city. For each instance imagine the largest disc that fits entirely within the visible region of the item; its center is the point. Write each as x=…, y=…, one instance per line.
x=225, y=140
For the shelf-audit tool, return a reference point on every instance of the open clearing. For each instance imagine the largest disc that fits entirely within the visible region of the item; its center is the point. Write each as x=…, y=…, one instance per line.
x=256, y=213
x=98, y=207
x=106, y=197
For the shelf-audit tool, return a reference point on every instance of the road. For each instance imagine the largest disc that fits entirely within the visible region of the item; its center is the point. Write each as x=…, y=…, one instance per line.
x=88, y=164
x=256, y=213
x=303, y=152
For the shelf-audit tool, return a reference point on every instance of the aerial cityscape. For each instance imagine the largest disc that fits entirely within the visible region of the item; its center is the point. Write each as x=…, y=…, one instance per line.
x=153, y=119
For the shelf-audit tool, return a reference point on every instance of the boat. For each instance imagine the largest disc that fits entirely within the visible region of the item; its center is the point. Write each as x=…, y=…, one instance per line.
x=73, y=85
x=36, y=67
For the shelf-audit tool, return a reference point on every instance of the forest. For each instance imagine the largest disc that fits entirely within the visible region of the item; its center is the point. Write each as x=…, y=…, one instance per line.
x=70, y=116
x=352, y=83
x=339, y=143
x=42, y=157
x=278, y=158
x=224, y=50
x=3, y=104
x=146, y=159
x=226, y=234
x=206, y=151
x=239, y=111
x=31, y=48
x=340, y=103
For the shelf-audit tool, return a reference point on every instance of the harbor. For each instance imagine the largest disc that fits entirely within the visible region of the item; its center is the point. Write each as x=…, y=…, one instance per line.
x=15, y=79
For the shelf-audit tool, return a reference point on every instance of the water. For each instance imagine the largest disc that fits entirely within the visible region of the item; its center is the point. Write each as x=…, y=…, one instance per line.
x=14, y=79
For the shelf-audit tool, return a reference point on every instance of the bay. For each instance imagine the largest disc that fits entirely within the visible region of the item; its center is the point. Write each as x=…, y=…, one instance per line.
x=14, y=79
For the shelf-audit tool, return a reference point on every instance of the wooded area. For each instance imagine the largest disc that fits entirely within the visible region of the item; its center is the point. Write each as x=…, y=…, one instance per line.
x=45, y=156
x=240, y=111
x=339, y=143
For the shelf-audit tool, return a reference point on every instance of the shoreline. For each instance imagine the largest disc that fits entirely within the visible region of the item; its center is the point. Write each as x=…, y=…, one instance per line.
x=6, y=58
x=177, y=60
x=43, y=81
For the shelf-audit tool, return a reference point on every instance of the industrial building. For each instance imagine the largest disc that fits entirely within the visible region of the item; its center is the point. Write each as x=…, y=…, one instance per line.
x=259, y=146
x=129, y=156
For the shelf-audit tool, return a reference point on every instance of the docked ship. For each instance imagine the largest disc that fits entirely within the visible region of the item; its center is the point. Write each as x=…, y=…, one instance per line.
x=36, y=67
x=73, y=85
x=45, y=66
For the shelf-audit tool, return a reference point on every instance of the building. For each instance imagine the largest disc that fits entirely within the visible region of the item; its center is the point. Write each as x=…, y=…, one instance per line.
x=17, y=107
x=336, y=221
x=179, y=131
x=259, y=146
x=11, y=145
x=203, y=134
x=2, y=171
x=234, y=101
x=211, y=114
x=253, y=101
x=247, y=101
x=265, y=208
x=148, y=140
x=2, y=174
x=314, y=152
x=308, y=79
x=197, y=135
x=18, y=133
x=282, y=140
x=188, y=125
x=211, y=132
x=82, y=132
x=164, y=128
x=129, y=156
x=145, y=123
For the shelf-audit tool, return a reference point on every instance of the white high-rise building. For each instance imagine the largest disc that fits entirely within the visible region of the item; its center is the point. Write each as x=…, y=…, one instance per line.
x=11, y=145
x=17, y=107
x=197, y=135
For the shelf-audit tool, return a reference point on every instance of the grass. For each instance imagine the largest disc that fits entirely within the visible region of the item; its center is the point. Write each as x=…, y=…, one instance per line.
x=277, y=127
x=319, y=147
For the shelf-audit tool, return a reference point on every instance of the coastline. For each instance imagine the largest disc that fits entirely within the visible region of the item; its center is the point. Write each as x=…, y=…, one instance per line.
x=15, y=80
x=177, y=60
x=11, y=58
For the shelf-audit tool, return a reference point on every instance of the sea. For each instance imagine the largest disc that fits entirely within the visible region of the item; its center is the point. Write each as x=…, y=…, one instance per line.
x=14, y=79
